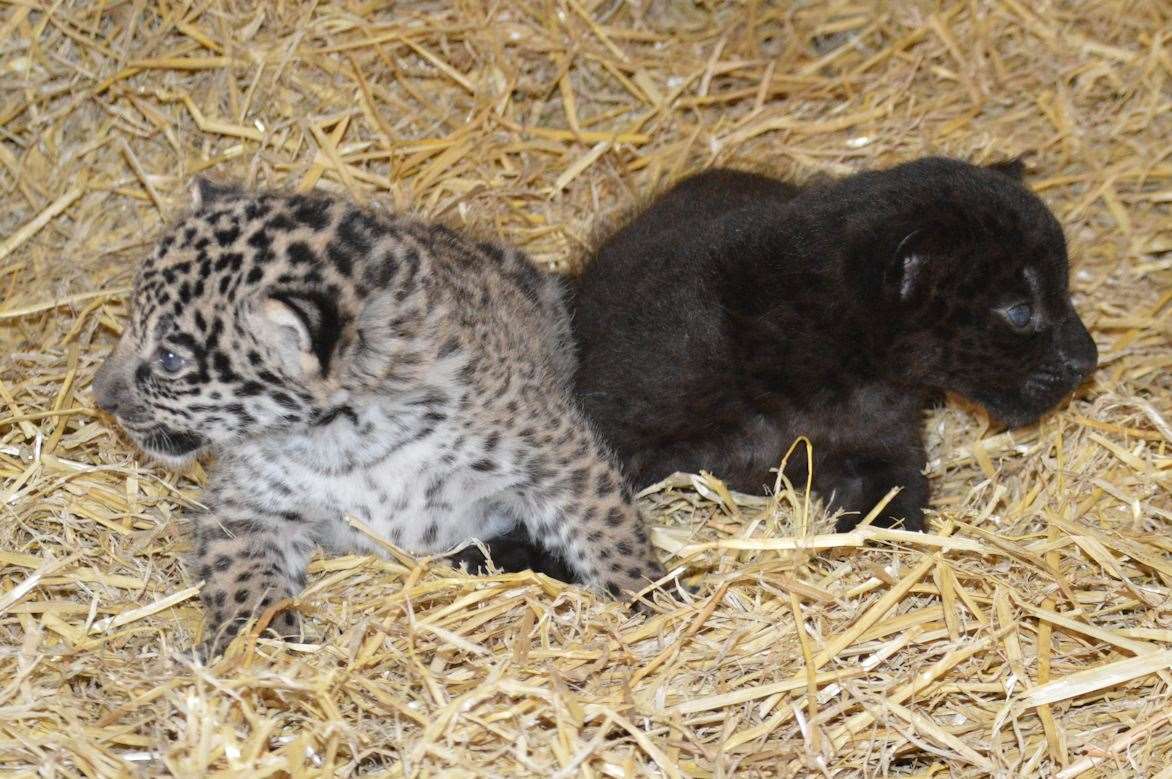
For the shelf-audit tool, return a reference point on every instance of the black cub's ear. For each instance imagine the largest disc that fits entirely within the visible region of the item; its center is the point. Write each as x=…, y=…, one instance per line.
x=308, y=326
x=904, y=273
x=1014, y=168
x=205, y=192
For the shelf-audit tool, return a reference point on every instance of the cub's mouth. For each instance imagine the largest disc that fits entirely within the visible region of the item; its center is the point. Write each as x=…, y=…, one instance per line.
x=170, y=447
x=1041, y=392
x=1019, y=415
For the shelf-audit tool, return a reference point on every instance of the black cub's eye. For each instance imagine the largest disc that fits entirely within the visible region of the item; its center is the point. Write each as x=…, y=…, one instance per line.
x=1018, y=315
x=169, y=361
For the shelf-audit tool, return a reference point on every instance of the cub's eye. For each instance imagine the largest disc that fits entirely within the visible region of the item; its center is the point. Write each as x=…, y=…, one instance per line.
x=169, y=361
x=1019, y=315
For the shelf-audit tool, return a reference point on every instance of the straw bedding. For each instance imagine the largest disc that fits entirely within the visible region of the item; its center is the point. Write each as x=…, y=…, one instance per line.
x=1029, y=634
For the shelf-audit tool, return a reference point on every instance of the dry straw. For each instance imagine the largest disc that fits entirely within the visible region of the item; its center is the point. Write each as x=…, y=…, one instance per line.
x=1030, y=633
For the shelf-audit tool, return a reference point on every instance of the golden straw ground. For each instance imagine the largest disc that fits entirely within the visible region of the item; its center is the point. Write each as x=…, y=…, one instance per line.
x=1030, y=633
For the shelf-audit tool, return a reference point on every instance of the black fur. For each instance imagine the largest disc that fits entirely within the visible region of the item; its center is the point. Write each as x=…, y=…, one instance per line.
x=738, y=312
x=515, y=551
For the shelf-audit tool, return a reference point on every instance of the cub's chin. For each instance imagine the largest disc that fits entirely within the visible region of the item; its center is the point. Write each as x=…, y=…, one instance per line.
x=1019, y=410
x=174, y=449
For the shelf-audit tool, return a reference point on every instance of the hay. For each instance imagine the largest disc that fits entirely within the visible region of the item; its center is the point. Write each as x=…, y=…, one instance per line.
x=1029, y=634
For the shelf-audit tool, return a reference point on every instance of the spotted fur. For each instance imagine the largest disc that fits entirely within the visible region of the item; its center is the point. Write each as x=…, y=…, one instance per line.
x=340, y=361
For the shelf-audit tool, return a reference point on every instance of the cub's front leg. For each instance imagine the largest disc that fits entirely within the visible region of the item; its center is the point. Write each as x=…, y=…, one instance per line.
x=582, y=512
x=859, y=483
x=248, y=559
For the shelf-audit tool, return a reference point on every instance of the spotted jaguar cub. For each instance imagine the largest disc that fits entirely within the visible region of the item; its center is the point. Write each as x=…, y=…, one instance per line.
x=340, y=361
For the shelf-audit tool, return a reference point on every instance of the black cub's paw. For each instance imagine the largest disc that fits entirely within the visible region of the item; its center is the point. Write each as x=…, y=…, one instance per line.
x=471, y=560
x=513, y=552
x=909, y=519
x=507, y=555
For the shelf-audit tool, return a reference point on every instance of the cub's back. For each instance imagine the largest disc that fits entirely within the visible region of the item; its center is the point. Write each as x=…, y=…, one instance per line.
x=689, y=207
x=651, y=284
x=672, y=238
x=507, y=307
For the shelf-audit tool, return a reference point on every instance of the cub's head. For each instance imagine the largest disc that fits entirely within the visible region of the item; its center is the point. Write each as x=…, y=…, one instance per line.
x=977, y=290
x=235, y=325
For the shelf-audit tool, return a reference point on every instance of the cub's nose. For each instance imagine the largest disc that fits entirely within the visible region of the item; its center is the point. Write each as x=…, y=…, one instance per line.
x=1084, y=363
x=109, y=389
x=1078, y=349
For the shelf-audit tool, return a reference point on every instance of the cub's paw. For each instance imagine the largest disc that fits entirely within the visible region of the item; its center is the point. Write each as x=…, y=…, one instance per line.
x=625, y=582
x=285, y=625
x=901, y=518
x=512, y=552
x=217, y=639
x=470, y=560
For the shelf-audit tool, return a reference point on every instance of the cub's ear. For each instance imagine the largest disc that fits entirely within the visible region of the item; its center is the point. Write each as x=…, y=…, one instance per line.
x=1014, y=168
x=904, y=274
x=305, y=327
x=205, y=192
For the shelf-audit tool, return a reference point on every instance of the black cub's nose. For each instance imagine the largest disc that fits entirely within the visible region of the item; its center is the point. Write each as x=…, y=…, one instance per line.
x=1083, y=365
x=1078, y=349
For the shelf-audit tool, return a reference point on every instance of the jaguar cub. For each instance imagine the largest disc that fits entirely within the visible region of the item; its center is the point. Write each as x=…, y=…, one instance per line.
x=738, y=312
x=341, y=361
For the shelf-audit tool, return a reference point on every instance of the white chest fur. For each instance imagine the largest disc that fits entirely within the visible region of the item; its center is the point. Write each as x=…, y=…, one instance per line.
x=410, y=470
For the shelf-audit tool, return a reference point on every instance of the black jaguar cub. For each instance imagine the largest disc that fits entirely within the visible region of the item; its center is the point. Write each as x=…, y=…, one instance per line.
x=738, y=312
